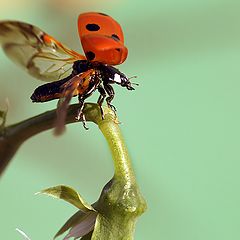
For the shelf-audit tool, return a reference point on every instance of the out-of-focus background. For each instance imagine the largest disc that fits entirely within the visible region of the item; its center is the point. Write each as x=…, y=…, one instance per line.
x=182, y=124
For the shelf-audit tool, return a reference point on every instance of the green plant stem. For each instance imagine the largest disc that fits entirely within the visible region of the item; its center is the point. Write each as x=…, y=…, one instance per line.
x=121, y=202
x=122, y=163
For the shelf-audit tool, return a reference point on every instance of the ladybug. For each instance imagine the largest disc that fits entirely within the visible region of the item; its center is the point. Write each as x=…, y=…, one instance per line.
x=69, y=73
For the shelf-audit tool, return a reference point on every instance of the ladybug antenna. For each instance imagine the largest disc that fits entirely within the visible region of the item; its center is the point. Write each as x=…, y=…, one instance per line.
x=136, y=84
x=132, y=77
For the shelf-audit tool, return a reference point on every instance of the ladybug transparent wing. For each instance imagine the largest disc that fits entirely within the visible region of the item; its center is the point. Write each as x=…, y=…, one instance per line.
x=69, y=89
x=40, y=54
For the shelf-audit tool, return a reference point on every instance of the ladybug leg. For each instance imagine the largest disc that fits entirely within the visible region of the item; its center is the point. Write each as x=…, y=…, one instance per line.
x=81, y=115
x=101, y=99
x=110, y=92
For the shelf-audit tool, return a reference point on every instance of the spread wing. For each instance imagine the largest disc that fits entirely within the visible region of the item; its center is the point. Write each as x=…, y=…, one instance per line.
x=70, y=89
x=41, y=55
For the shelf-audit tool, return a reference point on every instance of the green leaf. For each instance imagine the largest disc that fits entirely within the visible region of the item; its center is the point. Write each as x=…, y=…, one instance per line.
x=69, y=195
x=3, y=116
x=77, y=218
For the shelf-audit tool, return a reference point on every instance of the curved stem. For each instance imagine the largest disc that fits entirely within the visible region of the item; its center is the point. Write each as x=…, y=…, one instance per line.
x=122, y=163
x=11, y=137
x=121, y=202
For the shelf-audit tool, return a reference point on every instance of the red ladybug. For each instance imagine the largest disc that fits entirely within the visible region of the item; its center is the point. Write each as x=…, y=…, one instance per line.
x=70, y=73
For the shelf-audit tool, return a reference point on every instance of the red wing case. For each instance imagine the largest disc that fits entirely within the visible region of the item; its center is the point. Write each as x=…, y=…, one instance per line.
x=102, y=38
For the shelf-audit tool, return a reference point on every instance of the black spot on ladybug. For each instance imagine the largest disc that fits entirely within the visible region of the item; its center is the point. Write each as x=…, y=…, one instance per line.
x=103, y=14
x=117, y=49
x=92, y=27
x=115, y=37
x=90, y=55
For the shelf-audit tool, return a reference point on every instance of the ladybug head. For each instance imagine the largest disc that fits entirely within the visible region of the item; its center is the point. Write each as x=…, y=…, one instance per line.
x=112, y=75
x=124, y=81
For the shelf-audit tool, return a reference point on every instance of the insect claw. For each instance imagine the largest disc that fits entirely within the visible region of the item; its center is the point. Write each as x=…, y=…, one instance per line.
x=112, y=107
x=117, y=121
x=84, y=125
x=81, y=117
x=102, y=112
x=84, y=121
x=78, y=117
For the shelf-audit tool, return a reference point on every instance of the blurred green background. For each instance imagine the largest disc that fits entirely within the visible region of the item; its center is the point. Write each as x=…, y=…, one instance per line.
x=181, y=124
